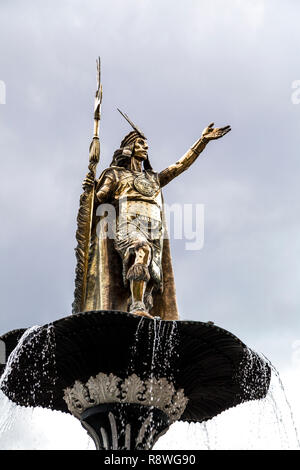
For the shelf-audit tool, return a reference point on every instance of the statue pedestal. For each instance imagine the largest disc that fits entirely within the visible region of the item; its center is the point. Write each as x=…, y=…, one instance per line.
x=125, y=426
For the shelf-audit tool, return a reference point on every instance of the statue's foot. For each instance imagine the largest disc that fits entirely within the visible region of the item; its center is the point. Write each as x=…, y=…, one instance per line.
x=141, y=313
x=138, y=308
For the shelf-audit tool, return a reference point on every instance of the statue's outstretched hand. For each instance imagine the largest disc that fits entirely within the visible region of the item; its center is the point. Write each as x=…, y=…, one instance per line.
x=211, y=133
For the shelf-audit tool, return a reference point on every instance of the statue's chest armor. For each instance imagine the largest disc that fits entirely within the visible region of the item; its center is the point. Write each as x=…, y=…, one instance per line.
x=146, y=184
x=139, y=185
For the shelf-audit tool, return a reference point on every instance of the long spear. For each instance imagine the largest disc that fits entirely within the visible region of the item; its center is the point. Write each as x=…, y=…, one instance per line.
x=86, y=207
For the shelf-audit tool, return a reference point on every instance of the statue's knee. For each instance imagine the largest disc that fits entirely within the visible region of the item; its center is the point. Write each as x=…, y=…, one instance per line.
x=138, y=272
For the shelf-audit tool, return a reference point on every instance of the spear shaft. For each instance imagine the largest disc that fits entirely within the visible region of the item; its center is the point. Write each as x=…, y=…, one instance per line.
x=86, y=208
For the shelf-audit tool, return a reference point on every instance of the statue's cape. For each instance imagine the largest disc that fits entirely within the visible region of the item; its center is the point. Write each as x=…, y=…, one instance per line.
x=105, y=288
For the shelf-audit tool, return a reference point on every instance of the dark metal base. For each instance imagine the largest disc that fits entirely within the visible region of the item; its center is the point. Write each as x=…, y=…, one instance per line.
x=214, y=368
x=124, y=426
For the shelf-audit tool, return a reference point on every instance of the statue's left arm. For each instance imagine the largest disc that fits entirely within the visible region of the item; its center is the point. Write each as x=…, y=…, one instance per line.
x=192, y=154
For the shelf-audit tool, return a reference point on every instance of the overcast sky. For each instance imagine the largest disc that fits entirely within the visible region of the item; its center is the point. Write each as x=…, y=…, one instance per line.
x=174, y=67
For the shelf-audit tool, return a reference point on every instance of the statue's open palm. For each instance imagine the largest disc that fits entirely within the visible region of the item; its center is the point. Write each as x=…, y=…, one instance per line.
x=211, y=133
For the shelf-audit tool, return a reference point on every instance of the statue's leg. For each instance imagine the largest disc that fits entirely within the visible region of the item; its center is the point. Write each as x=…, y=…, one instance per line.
x=148, y=299
x=138, y=276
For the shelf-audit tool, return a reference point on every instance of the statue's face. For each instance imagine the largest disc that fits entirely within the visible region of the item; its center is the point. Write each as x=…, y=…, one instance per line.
x=140, y=148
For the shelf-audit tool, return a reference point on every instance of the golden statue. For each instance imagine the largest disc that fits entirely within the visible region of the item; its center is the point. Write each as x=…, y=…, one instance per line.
x=125, y=263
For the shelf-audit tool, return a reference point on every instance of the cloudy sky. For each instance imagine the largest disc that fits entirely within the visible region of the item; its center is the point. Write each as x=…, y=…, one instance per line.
x=174, y=67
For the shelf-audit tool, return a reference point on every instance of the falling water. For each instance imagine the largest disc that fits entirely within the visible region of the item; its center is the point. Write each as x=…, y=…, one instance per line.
x=13, y=357
x=255, y=425
x=43, y=365
x=37, y=428
x=134, y=351
x=164, y=348
x=37, y=348
x=276, y=405
x=153, y=356
x=9, y=411
x=283, y=412
x=163, y=354
x=258, y=424
x=162, y=339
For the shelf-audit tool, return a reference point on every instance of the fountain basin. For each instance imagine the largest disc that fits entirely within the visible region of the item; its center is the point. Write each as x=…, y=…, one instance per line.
x=210, y=368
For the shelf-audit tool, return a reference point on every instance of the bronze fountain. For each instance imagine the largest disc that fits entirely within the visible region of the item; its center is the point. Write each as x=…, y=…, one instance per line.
x=123, y=363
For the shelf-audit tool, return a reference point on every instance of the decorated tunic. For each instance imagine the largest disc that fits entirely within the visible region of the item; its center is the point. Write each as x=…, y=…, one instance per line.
x=137, y=199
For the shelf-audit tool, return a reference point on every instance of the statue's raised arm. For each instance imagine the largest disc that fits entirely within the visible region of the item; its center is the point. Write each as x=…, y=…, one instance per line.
x=209, y=133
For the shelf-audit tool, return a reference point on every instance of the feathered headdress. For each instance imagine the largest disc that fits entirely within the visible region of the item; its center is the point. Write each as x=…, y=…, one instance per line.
x=127, y=145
